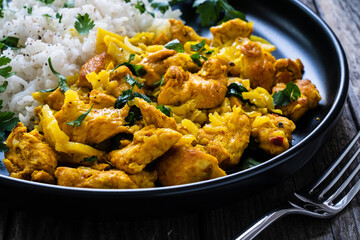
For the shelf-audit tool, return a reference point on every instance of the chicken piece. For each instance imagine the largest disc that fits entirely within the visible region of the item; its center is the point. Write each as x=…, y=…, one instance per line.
x=153, y=116
x=230, y=30
x=257, y=65
x=272, y=132
x=95, y=64
x=101, y=100
x=226, y=136
x=86, y=177
x=29, y=156
x=57, y=139
x=149, y=143
x=55, y=100
x=97, y=126
x=158, y=62
x=154, y=65
x=181, y=165
x=308, y=100
x=288, y=70
x=207, y=88
x=144, y=179
x=184, y=33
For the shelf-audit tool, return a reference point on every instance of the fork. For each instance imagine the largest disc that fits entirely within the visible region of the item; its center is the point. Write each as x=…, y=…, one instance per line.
x=312, y=201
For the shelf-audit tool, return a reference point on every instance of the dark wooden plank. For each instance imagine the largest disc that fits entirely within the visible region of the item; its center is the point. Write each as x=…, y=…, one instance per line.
x=23, y=225
x=3, y=221
x=344, y=19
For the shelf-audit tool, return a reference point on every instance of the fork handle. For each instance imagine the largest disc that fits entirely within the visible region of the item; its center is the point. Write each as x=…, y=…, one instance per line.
x=265, y=221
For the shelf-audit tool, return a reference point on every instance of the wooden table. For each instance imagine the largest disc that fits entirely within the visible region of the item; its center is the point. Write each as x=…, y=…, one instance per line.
x=343, y=16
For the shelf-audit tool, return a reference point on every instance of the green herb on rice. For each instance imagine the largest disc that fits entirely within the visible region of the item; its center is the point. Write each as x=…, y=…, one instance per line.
x=84, y=24
x=7, y=119
x=62, y=82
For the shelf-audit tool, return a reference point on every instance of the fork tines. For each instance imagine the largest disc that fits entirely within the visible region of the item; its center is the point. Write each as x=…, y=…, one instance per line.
x=335, y=179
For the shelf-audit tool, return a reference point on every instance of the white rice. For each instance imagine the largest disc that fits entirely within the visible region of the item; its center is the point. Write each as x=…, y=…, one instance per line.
x=45, y=37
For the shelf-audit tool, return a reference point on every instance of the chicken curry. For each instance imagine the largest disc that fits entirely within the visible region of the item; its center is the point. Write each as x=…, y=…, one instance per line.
x=162, y=109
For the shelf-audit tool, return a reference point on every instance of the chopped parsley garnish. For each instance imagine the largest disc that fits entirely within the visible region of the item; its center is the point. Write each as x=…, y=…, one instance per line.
x=9, y=42
x=128, y=95
x=161, y=5
x=210, y=11
x=84, y=24
x=290, y=94
x=199, y=46
x=196, y=58
x=7, y=123
x=134, y=115
x=165, y=110
x=132, y=81
x=159, y=83
x=137, y=70
x=7, y=119
x=249, y=163
x=62, y=83
x=69, y=4
x=91, y=159
x=175, y=45
x=140, y=6
x=59, y=16
x=236, y=90
x=78, y=121
x=5, y=72
x=47, y=1
x=143, y=96
x=123, y=99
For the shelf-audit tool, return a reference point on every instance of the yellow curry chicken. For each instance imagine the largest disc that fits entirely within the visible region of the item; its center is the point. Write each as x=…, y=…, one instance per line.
x=162, y=109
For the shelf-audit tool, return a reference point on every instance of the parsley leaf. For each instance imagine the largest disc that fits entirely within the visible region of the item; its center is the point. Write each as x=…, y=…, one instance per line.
x=159, y=83
x=175, y=45
x=162, y=5
x=123, y=99
x=5, y=72
x=236, y=90
x=91, y=159
x=131, y=81
x=199, y=46
x=47, y=1
x=140, y=6
x=62, y=83
x=143, y=96
x=165, y=110
x=134, y=115
x=137, y=70
x=84, y=24
x=3, y=86
x=196, y=58
x=210, y=10
x=7, y=119
x=59, y=16
x=78, y=121
x=9, y=42
x=7, y=123
x=290, y=94
x=69, y=4
x=249, y=163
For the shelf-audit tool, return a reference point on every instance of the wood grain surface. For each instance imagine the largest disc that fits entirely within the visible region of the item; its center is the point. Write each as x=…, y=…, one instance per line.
x=343, y=16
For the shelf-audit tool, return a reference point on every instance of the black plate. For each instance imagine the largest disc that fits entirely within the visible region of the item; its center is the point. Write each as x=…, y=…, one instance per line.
x=297, y=33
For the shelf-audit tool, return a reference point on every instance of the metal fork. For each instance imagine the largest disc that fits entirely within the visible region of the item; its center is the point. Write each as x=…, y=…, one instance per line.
x=312, y=201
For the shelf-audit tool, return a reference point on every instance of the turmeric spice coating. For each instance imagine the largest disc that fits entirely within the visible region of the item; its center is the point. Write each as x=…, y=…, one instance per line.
x=163, y=109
